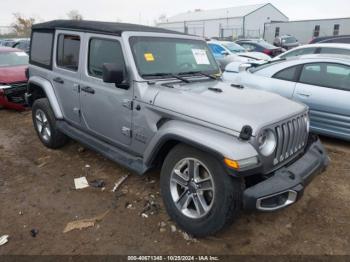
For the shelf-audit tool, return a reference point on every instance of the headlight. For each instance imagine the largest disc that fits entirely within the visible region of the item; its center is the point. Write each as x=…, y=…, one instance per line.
x=4, y=86
x=267, y=142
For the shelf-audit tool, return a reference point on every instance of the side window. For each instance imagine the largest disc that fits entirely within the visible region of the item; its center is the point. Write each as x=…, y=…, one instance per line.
x=338, y=51
x=216, y=49
x=326, y=74
x=288, y=74
x=41, y=49
x=248, y=47
x=103, y=51
x=68, y=49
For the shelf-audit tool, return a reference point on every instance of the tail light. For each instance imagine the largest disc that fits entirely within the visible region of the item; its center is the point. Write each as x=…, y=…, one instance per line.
x=267, y=51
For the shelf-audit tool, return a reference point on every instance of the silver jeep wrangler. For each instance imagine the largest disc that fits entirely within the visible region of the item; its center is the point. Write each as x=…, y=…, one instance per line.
x=150, y=98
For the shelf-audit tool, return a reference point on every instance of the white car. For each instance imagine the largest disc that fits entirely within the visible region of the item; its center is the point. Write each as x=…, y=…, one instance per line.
x=320, y=81
x=337, y=49
x=226, y=52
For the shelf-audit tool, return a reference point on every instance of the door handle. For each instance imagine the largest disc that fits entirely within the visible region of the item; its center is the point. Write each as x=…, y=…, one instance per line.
x=88, y=89
x=58, y=80
x=304, y=95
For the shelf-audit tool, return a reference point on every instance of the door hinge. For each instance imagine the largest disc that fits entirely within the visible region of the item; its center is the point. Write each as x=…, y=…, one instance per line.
x=126, y=131
x=129, y=104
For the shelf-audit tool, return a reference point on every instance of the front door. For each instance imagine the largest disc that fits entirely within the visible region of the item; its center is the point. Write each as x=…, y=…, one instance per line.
x=325, y=88
x=67, y=73
x=106, y=109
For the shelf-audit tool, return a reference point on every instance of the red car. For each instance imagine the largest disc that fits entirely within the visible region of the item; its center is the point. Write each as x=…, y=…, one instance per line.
x=13, y=79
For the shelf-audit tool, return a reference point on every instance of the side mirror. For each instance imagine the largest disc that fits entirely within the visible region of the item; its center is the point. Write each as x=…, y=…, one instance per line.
x=225, y=53
x=113, y=73
x=244, y=67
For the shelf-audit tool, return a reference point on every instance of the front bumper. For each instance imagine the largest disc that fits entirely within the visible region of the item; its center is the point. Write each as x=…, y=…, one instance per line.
x=287, y=184
x=13, y=97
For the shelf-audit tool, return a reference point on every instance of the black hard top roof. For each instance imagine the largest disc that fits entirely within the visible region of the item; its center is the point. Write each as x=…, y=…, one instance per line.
x=98, y=27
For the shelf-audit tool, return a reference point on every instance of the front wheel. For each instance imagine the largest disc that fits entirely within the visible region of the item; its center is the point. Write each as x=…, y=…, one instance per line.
x=197, y=192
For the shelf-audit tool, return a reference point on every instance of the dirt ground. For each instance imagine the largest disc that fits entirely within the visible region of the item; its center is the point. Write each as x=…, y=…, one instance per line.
x=37, y=192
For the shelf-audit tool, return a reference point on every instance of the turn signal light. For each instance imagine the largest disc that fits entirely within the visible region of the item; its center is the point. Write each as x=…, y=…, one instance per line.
x=231, y=163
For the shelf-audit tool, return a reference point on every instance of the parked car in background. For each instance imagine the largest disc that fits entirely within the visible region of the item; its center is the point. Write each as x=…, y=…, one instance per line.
x=8, y=42
x=149, y=98
x=286, y=41
x=226, y=52
x=23, y=44
x=320, y=81
x=13, y=79
x=340, y=49
x=341, y=39
x=260, y=45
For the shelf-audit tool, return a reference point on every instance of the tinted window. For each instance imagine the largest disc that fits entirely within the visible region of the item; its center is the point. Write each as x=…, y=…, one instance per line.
x=287, y=74
x=299, y=52
x=68, y=49
x=216, y=49
x=326, y=74
x=103, y=51
x=338, y=51
x=248, y=47
x=41, y=50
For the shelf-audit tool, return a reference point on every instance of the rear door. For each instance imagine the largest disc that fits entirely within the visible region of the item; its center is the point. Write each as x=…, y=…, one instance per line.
x=67, y=73
x=325, y=88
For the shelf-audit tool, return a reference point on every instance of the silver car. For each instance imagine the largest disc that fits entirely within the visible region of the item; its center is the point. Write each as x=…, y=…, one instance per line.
x=148, y=98
x=320, y=81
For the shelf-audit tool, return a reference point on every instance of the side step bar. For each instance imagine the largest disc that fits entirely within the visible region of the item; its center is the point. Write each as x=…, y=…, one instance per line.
x=111, y=152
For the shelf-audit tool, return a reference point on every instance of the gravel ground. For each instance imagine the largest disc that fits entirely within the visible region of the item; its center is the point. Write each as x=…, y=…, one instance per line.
x=37, y=192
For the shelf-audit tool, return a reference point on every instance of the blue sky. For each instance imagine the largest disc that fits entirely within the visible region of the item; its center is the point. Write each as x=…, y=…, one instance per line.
x=146, y=11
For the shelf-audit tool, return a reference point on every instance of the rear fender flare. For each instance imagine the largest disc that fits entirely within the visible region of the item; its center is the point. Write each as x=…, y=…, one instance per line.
x=50, y=94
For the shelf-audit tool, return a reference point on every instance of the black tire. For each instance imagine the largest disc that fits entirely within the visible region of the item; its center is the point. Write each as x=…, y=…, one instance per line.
x=226, y=205
x=57, y=139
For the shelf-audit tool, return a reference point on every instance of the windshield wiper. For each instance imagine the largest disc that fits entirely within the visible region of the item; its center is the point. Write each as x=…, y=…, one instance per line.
x=169, y=75
x=199, y=73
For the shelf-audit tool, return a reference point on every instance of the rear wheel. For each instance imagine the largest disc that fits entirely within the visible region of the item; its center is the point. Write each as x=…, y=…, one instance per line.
x=45, y=125
x=198, y=194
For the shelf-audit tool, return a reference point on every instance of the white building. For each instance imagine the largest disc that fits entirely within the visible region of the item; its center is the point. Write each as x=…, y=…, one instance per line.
x=240, y=21
x=305, y=30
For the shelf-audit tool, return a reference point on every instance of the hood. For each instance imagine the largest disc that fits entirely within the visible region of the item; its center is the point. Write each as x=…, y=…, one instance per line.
x=256, y=55
x=16, y=74
x=231, y=109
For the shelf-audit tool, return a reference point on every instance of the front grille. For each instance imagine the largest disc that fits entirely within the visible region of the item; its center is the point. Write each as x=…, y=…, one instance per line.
x=291, y=138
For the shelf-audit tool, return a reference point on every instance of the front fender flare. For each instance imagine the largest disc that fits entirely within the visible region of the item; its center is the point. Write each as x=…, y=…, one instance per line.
x=219, y=144
x=50, y=94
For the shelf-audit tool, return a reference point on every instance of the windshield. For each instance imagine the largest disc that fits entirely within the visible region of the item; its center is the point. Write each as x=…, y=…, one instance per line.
x=158, y=56
x=290, y=40
x=234, y=48
x=266, y=44
x=13, y=59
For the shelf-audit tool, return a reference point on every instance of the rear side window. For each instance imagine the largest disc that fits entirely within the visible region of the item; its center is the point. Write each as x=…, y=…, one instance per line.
x=103, y=51
x=326, y=74
x=68, y=50
x=288, y=74
x=41, y=49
